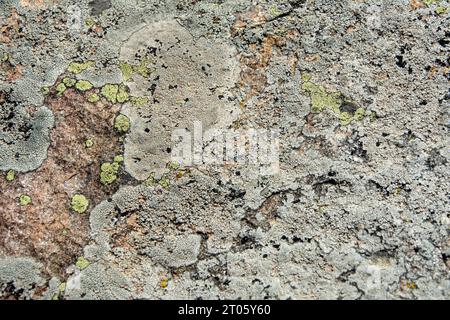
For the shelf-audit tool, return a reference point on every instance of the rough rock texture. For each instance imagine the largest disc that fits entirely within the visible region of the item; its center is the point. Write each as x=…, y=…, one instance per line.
x=357, y=91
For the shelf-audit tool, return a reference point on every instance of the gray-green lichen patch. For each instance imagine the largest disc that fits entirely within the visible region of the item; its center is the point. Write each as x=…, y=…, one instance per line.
x=24, y=136
x=179, y=68
x=23, y=274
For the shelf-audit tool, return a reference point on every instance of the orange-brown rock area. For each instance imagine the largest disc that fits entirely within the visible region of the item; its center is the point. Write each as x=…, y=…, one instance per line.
x=48, y=229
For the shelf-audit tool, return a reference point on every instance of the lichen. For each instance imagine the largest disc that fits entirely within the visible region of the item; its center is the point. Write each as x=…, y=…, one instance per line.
x=442, y=10
x=118, y=159
x=83, y=85
x=79, y=203
x=69, y=82
x=142, y=69
x=76, y=67
x=89, y=22
x=164, y=182
x=139, y=101
x=82, y=263
x=173, y=165
x=60, y=89
x=89, y=143
x=122, y=123
x=322, y=99
x=5, y=57
x=109, y=171
x=93, y=98
x=127, y=70
x=164, y=283
x=10, y=175
x=24, y=200
x=45, y=90
x=345, y=118
x=122, y=94
x=109, y=91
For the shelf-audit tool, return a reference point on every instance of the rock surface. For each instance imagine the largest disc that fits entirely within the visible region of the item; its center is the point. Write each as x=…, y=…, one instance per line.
x=356, y=207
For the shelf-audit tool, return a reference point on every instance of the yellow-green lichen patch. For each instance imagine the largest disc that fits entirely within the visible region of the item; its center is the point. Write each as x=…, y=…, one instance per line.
x=442, y=10
x=109, y=171
x=142, y=69
x=322, y=99
x=69, y=82
x=83, y=85
x=76, y=67
x=139, y=101
x=10, y=175
x=127, y=70
x=151, y=181
x=164, y=283
x=345, y=118
x=173, y=166
x=79, y=203
x=5, y=57
x=89, y=143
x=109, y=91
x=62, y=287
x=359, y=114
x=60, y=89
x=82, y=263
x=164, y=182
x=122, y=94
x=118, y=159
x=89, y=22
x=24, y=200
x=93, y=98
x=122, y=123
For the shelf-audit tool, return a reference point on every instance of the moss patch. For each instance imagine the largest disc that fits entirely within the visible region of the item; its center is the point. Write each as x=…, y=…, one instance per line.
x=79, y=203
